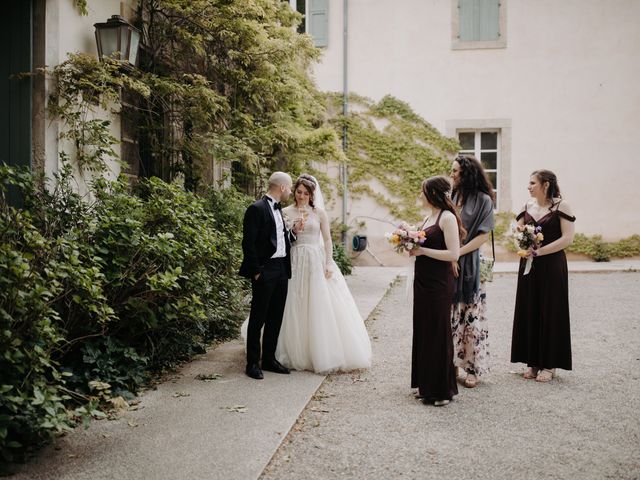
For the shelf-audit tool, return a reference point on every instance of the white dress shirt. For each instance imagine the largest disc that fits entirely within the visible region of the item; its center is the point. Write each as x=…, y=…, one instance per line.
x=281, y=250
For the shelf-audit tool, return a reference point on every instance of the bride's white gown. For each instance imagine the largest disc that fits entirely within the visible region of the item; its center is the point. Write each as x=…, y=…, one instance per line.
x=322, y=329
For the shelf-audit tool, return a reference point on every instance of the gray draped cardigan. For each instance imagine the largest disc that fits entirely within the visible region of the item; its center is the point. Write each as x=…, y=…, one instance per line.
x=477, y=218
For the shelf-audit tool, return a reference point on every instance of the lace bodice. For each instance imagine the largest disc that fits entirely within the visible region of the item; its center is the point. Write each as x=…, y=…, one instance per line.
x=311, y=233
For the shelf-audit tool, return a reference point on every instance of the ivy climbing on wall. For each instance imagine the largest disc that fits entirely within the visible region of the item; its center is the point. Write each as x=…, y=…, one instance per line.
x=389, y=144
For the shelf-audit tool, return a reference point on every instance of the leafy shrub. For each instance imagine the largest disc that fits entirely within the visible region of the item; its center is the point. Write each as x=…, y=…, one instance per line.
x=341, y=258
x=104, y=293
x=31, y=402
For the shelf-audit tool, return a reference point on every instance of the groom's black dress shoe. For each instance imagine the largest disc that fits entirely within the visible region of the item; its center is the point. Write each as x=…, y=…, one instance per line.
x=254, y=371
x=274, y=366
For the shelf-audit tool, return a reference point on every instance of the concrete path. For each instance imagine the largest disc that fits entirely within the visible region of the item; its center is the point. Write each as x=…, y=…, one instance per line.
x=582, y=425
x=190, y=429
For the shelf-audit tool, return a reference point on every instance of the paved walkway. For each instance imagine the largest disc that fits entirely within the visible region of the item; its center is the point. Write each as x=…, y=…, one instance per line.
x=230, y=428
x=227, y=428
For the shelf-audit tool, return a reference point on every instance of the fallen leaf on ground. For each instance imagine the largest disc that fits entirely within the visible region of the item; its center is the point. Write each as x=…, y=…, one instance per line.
x=208, y=377
x=132, y=423
x=236, y=408
x=181, y=394
x=318, y=409
x=119, y=403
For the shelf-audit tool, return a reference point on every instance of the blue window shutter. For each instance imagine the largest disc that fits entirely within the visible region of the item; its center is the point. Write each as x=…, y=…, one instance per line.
x=319, y=22
x=466, y=16
x=479, y=20
x=488, y=20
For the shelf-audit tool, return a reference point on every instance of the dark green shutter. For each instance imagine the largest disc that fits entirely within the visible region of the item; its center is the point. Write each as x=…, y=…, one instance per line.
x=15, y=92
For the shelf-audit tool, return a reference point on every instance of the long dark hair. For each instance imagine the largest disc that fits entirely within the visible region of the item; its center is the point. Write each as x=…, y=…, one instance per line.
x=437, y=190
x=553, y=191
x=307, y=182
x=473, y=179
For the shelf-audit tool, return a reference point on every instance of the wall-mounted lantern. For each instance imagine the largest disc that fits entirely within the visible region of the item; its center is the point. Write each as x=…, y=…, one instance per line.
x=117, y=35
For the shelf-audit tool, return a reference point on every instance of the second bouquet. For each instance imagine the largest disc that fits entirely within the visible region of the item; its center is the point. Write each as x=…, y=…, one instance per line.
x=529, y=238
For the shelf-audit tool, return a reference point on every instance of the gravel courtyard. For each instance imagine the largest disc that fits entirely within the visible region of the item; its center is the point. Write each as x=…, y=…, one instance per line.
x=584, y=424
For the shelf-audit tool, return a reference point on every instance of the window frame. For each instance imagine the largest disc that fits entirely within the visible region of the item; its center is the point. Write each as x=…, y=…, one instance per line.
x=457, y=44
x=477, y=152
x=503, y=158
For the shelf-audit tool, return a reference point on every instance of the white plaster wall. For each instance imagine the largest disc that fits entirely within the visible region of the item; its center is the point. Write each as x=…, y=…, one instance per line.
x=567, y=81
x=69, y=32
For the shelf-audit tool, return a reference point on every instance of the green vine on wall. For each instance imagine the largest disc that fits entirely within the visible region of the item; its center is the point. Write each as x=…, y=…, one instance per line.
x=391, y=144
x=86, y=92
x=82, y=7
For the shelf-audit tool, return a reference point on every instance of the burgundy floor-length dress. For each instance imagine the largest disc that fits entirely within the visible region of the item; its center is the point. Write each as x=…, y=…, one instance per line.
x=541, y=332
x=432, y=370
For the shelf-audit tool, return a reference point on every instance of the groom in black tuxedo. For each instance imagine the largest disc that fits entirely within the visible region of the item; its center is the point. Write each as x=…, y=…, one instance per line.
x=266, y=243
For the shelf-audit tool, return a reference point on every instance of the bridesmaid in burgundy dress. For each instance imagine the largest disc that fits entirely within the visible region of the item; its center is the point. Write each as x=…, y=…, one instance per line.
x=541, y=333
x=432, y=371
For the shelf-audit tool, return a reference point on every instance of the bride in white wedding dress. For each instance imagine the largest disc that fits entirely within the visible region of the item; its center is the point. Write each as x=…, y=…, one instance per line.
x=322, y=329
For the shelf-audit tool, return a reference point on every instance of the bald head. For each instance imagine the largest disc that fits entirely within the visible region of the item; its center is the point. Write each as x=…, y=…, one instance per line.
x=280, y=185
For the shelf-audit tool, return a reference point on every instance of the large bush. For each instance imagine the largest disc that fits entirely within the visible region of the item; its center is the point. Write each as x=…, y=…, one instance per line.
x=107, y=292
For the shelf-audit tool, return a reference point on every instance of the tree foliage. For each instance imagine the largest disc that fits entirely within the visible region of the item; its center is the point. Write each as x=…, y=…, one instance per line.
x=233, y=76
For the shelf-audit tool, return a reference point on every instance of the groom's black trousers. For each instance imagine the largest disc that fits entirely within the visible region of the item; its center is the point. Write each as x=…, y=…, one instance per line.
x=267, y=307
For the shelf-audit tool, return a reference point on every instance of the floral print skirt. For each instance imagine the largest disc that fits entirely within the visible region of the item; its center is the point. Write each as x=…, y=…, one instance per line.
x=470, y=329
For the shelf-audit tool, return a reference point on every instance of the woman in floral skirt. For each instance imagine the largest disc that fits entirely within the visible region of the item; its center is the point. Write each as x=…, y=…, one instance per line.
x=473, y=196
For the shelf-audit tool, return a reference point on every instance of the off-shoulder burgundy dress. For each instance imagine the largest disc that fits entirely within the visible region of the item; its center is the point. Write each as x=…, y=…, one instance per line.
x=541, y=333
x=432, y=370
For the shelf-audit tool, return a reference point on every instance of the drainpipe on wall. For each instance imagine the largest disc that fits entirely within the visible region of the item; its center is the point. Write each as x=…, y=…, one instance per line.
x=345, y=112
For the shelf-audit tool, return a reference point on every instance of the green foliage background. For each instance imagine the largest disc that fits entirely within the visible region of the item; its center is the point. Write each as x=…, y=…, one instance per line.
x=108, y=291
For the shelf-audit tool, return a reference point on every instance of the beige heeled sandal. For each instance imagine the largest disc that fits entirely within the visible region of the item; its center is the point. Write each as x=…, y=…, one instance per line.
x=545, y=375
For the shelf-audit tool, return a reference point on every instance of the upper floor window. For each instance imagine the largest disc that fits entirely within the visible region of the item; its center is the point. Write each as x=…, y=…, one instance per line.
x=479, y=24
x=316, y=19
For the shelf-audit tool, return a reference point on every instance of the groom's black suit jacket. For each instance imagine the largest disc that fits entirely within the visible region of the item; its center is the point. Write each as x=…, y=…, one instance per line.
x=259, y=239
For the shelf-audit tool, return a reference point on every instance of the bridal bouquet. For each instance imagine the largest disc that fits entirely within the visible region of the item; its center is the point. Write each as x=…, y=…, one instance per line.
x=528, y=237
x=405, y=238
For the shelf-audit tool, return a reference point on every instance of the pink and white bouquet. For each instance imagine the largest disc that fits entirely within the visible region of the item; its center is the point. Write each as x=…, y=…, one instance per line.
x=405, y=238
x=529, y=238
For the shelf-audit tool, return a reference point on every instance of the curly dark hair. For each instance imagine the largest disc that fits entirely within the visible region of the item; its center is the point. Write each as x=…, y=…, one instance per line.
x=437, y=190
x=307, y=182
x=473, y=179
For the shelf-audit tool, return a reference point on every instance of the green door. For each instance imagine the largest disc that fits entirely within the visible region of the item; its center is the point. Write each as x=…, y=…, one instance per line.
x=15, y=92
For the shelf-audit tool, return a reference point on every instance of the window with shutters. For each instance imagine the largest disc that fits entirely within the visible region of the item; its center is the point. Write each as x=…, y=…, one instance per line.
x=478, y=24
x=316, y=19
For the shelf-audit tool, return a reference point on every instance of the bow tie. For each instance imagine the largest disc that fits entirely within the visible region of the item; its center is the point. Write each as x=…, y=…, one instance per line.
x=277, y=206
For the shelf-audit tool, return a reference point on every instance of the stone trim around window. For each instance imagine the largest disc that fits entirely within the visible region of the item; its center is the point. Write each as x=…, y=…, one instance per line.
x=457, y=44
x=504, y=125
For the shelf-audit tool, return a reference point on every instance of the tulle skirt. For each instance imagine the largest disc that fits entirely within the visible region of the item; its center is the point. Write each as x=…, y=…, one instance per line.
x=322, y=329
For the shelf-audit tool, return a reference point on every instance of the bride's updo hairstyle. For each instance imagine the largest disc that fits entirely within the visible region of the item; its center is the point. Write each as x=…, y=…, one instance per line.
x=437, y=190
x=545, y=176
x=307, y=182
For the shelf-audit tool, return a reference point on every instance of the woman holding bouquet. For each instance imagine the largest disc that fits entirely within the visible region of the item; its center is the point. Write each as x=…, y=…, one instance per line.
x=473, y=196
x=541, y=334
x=432, y=371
